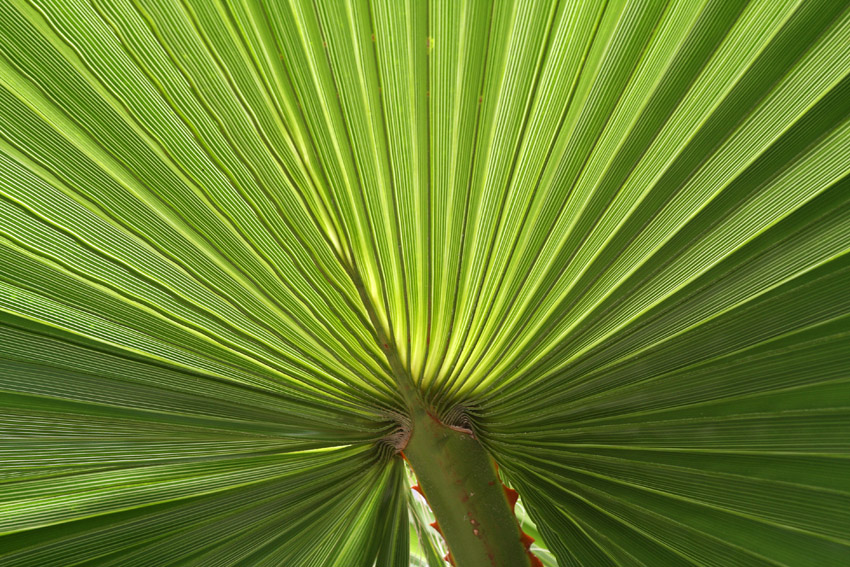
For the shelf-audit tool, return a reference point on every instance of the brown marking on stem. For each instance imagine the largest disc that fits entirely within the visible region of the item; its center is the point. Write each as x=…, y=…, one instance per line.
x=462, y=430
x=512, y=496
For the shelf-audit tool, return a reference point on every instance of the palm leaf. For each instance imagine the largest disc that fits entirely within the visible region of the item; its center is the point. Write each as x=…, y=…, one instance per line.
x=611, y=237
